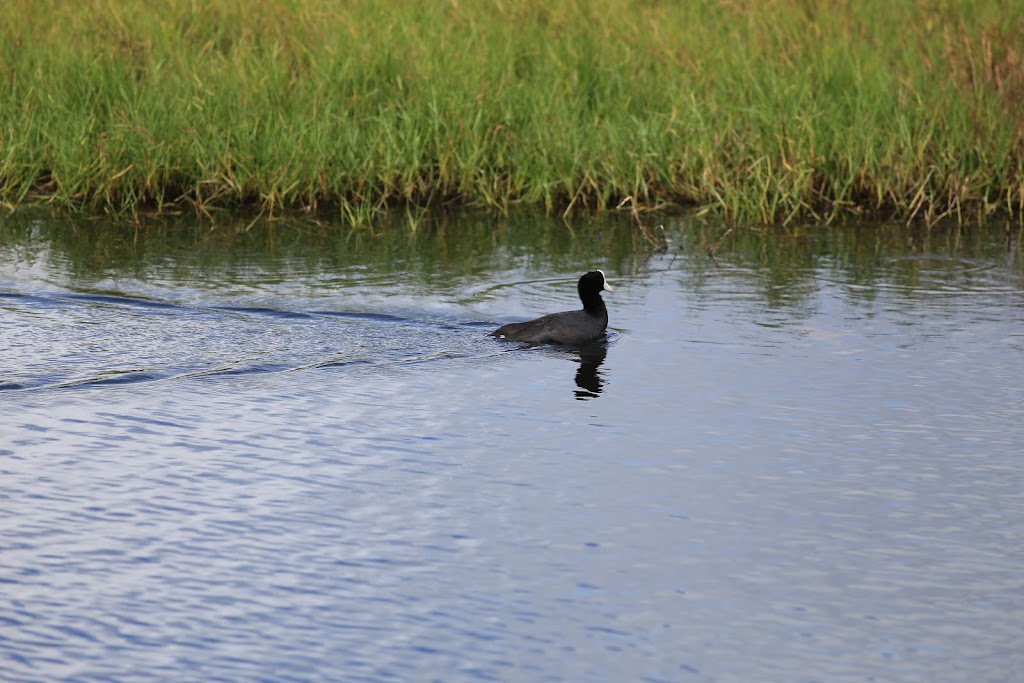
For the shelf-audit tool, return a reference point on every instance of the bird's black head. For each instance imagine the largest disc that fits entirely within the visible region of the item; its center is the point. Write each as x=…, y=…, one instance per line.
x=593, y=282
x=590, y=287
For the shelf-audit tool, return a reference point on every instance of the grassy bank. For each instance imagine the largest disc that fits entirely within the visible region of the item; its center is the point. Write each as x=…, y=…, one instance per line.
x=763, y=111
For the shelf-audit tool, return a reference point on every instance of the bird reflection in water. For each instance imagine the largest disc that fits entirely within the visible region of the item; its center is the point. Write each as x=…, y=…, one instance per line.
x=588, y=378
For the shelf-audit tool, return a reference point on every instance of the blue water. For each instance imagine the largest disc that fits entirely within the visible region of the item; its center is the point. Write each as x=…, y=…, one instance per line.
x=269, y=468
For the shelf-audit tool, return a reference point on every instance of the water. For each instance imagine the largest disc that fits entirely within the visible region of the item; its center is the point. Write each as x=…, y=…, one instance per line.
x=293, y=454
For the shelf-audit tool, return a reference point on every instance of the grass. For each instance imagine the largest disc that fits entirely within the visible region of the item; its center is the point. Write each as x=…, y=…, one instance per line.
x=757, y=111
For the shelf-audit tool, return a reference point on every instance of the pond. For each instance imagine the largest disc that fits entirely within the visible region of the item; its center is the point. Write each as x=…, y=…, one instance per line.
x=283, y=451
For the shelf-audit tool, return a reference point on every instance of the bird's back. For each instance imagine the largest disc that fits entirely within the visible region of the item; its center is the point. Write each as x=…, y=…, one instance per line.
x=567, y=327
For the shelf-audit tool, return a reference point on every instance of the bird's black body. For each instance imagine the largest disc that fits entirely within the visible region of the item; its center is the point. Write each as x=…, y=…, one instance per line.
x=568, y=327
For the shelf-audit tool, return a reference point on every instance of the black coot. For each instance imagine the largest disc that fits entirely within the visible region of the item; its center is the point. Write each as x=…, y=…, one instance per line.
x=568, y=327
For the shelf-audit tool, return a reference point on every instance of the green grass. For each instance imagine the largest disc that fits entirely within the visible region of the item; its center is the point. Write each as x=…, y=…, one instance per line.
x=759, y=111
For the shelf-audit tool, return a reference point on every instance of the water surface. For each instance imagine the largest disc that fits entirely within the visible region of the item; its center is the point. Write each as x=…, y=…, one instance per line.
x=292, y=453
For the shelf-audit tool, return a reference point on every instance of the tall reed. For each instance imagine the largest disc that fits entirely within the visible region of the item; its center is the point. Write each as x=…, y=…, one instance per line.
x=760, y=111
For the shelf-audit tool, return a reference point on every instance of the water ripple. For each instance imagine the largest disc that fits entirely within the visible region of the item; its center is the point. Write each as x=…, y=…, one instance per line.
x=273, y=477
